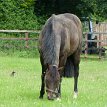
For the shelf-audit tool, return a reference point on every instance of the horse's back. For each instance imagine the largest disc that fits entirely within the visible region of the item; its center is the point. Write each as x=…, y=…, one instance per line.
x=74, y=18
x=70, y=17
x=71, y=28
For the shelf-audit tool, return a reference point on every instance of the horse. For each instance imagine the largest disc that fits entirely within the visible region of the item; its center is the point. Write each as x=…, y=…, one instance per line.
x=60, y=39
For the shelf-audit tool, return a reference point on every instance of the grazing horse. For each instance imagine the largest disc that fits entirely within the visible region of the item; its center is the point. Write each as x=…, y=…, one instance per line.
x=59, y=40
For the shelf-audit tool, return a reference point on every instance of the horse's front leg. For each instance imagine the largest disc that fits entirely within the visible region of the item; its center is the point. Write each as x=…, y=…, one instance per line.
x=62, y=63
x=42, y=91
x=59, y=90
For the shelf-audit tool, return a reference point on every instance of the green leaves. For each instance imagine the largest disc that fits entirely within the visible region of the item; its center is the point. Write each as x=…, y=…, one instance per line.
x=86, y=8
x=26, y=3
x=17, y=14
x=32, y=14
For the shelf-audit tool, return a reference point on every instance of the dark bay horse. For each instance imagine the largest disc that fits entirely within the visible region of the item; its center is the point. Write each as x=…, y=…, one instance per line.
x=59, y=40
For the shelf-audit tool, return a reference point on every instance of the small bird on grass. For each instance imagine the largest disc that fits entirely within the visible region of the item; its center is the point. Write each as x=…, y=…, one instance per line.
x=12, y=73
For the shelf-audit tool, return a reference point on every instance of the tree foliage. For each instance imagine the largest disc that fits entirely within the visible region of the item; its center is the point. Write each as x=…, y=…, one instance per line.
x=102, y=8
x=79, y=7
x=17, y=14
x=31, y=14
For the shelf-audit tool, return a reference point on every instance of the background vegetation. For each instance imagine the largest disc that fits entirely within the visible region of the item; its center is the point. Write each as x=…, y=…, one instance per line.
x=31, y=14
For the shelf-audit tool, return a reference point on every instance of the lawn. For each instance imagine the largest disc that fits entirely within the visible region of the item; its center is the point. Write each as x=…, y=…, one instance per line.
x=22, y=89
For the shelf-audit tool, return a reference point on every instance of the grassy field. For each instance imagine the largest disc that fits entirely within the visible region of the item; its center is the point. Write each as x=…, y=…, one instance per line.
x=22, y=90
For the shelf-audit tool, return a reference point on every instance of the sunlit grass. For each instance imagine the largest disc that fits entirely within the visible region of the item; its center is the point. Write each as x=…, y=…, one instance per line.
x=22, y=90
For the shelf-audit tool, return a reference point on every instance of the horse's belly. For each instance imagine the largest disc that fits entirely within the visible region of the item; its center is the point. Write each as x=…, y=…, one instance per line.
x=72, y=46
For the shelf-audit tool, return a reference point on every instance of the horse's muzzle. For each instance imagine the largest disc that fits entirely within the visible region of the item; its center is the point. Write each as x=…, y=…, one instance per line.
x=51, y=98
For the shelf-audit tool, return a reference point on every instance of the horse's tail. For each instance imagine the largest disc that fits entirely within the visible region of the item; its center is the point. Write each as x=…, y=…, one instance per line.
x=68, y=69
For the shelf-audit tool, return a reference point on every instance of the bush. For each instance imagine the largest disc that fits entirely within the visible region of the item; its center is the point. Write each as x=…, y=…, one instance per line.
x=18, y=48
x=18, y=14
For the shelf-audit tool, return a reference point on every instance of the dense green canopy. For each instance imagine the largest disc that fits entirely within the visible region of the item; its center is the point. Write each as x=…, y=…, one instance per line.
x=31, y=14
x=78, y=7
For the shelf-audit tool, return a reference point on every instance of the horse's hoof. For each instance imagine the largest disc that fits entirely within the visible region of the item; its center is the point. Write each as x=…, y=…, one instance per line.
x=58, y=99
x=75, y=95
x=40, y=97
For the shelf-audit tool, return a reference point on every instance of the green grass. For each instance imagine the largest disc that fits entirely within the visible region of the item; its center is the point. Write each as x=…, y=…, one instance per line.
x=22, y=90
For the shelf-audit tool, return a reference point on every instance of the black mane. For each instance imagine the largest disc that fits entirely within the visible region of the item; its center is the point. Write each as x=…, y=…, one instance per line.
x=49, y=47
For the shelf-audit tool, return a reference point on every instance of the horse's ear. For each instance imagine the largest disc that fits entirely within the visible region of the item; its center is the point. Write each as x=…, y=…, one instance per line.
x=61, y=68
x=47, y=66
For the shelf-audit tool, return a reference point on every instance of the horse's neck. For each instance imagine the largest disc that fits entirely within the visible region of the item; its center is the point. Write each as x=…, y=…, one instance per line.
x=56, y=50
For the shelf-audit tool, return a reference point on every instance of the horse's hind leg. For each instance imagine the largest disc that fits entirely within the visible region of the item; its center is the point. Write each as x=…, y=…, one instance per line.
x=76, y=61
x=76, y=74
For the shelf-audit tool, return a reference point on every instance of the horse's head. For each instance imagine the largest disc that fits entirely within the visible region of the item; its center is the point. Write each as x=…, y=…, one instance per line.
x=52, y=79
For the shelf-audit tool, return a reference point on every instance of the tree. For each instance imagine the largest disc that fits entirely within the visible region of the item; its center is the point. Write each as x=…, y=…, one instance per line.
x=78, y=7
x=102, y=8
x=31, y=14
x=17, y=14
